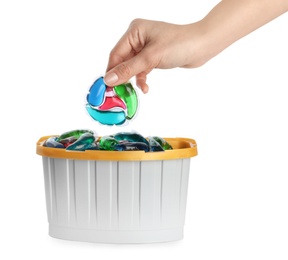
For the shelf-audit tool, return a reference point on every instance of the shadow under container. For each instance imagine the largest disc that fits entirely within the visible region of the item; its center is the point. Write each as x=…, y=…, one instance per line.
x=117, y=196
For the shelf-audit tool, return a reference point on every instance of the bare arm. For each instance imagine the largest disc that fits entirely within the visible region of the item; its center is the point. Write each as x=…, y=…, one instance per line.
x=231, y=20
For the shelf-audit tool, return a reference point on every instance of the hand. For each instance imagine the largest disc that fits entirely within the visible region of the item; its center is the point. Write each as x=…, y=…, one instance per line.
x=153, y=44
x=147, y=45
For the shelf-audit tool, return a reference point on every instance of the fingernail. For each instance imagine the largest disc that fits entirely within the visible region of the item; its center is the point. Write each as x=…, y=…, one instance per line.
x=110, y=79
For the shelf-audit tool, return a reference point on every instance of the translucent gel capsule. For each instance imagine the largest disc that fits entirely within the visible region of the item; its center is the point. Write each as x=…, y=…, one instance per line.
x=93, y=146
x=130, y=137
x=85, y=141
x=107, y=143
x=128, y=94
x=53, y=142
x=107, y=117
x=154, y=145
x=68, y=141
x=164, y=144
x=96, y=92
x=112, y=102
x=74, y=133
x=131, y=146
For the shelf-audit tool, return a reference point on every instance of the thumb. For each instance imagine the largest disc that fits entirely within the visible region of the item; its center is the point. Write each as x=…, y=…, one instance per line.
x=118, y=75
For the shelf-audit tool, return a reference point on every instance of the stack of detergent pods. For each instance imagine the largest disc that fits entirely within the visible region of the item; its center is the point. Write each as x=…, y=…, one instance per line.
x=81, y=140
x=111, y=105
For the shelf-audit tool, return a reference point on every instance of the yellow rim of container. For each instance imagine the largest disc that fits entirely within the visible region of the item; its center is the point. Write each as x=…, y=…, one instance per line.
x=182, y=148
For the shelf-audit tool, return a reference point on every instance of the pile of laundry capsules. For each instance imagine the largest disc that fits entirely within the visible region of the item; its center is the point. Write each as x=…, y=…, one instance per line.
x=81, y=140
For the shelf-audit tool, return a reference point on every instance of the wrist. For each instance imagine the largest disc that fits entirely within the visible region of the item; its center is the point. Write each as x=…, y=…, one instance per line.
x=200, y=46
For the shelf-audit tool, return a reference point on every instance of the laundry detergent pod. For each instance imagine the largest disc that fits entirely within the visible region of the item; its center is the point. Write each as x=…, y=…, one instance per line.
x=112, y=105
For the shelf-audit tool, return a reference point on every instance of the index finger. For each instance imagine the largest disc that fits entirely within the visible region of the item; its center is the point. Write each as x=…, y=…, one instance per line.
x=122, y=51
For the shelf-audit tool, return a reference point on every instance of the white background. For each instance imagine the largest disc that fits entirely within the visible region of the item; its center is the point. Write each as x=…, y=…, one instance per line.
x=235, y=107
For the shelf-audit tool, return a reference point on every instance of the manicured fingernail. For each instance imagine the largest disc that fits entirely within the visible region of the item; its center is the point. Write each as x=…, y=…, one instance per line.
x=110, y=79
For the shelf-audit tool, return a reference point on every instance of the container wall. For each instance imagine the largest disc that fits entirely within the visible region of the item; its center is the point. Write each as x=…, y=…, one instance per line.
x=116, y=195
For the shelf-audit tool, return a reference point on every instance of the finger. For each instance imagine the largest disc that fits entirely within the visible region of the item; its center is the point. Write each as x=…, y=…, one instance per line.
x=121, y=52
x=131, y=43
x=129, y=68
x=141, y=79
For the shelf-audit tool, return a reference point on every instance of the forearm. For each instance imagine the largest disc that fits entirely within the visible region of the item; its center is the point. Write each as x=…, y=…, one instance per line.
x=231, y=20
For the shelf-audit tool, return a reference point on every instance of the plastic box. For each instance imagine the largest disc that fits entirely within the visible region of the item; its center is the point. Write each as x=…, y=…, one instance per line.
x=117, y=197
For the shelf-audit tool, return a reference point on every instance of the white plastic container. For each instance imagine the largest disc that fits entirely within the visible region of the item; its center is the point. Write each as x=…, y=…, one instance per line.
x=117, y=197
